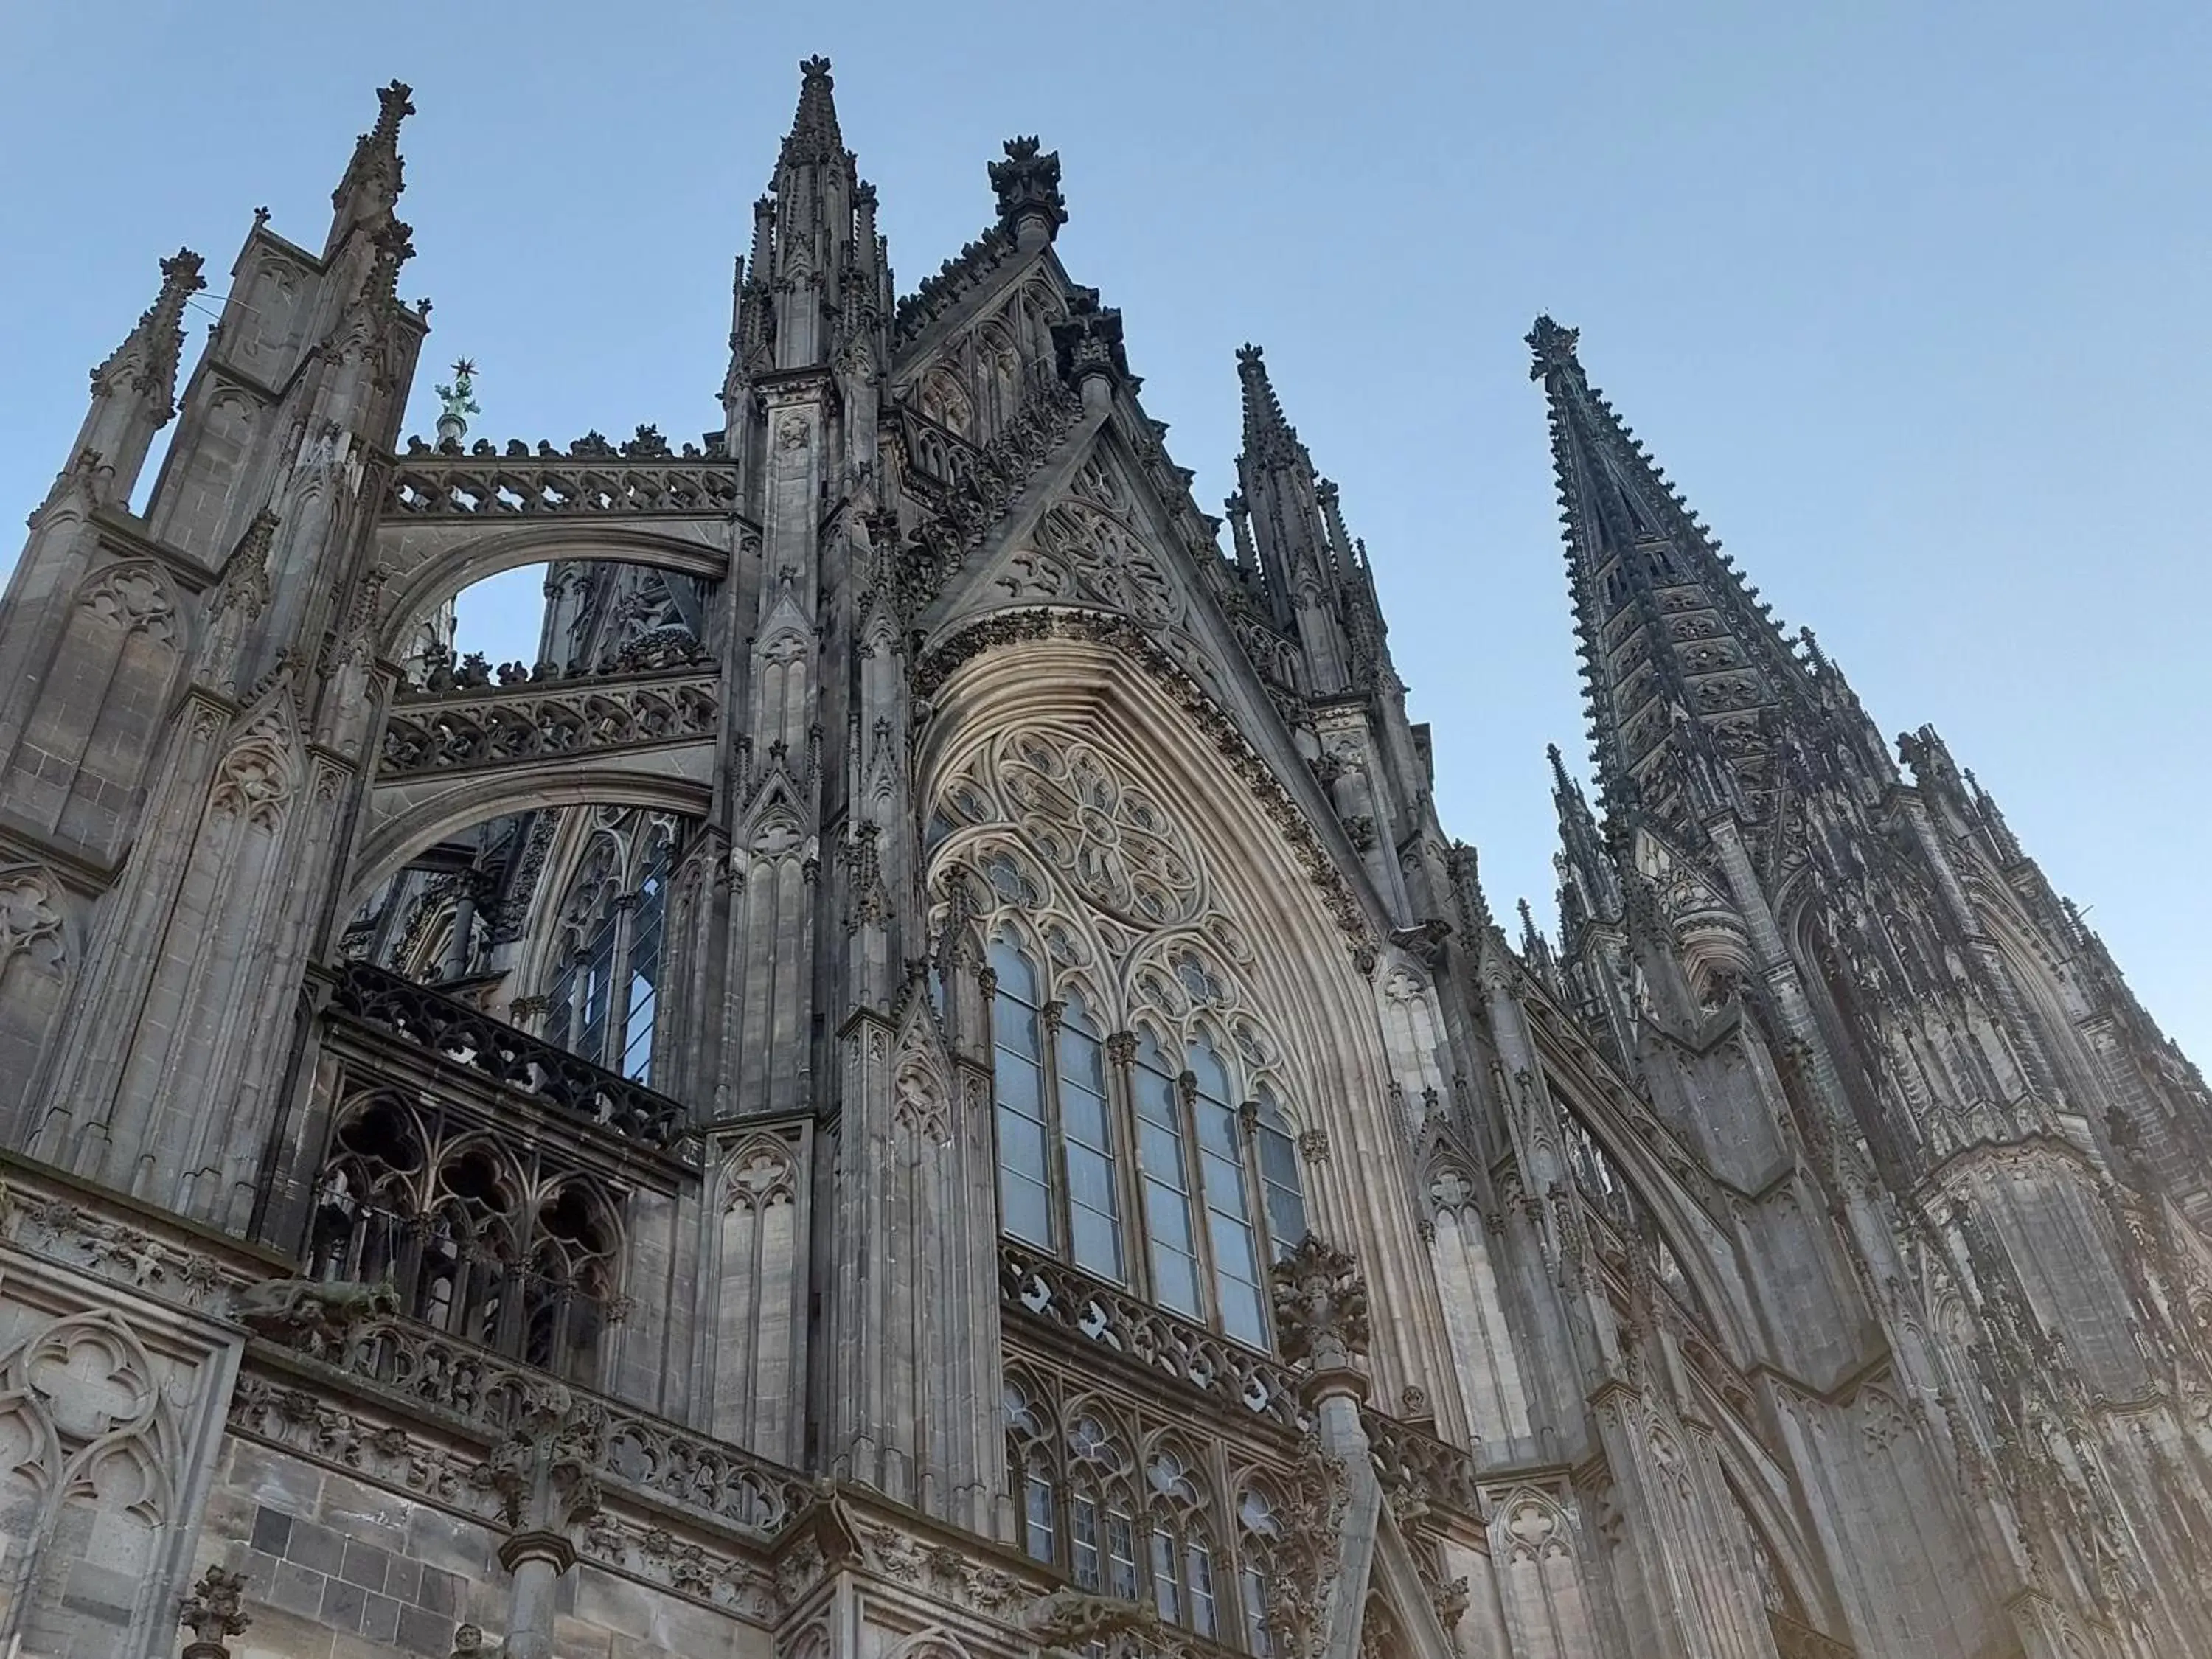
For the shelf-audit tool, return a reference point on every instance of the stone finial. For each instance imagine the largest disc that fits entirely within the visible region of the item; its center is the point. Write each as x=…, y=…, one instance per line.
x=211, y=1612
x=1269, y=438
x=1553, y=348
x=1028, y=186
x=1089, y=343
x=1321, y=1306
x=545, y=1470
x=376, y=170
x=456, y=403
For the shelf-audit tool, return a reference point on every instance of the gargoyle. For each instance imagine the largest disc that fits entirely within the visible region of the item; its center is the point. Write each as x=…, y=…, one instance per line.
x=1069, y=1620
x=316, y=1315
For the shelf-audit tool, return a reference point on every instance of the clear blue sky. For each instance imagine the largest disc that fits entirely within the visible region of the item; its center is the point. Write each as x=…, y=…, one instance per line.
x=1911, y=299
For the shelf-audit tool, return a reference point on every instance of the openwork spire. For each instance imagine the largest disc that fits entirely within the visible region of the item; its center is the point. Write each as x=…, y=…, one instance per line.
x=1684, y=669
x=814, y=137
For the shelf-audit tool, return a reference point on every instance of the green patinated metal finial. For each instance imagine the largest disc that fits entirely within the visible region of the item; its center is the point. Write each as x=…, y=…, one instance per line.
x=457, y=403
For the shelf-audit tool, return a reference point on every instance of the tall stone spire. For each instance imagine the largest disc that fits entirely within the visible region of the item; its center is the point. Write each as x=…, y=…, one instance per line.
x=370, y=190
x=1301, y=566
x=816, y=266
x=1683, y=667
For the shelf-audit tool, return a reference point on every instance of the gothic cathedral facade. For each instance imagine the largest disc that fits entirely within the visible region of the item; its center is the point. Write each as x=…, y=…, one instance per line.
x=926, y=1083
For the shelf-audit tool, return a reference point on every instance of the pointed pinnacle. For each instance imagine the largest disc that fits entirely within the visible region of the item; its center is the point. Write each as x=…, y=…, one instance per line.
x=814, y=134
x=158, y=337
x=1553, y=347
x=1561, y=783
x=1267, y=436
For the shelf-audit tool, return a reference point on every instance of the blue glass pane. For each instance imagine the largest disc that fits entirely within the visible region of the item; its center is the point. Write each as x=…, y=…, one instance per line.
x=1097, y=1241
x=1176, y=1281
x=1170, y=1217
x=1212, y=1076
x=1240, y=1313
x=1021, y=1144
x=1082, y=1062
x=1028, y=1211
x=1091, y=1180
x=1232, y=1248
x=1224, y=1183
x=1014, y=1025
x=1279, y=1158
x=1160, y=1153
x=1021, y=1087
x=1216, y=1127
x=1083, y=1116
x=1016, y=977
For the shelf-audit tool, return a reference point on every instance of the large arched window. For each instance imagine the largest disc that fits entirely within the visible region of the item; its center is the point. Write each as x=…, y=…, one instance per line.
x=1213, y=1185
x=606, y=996
x=1147, y=1118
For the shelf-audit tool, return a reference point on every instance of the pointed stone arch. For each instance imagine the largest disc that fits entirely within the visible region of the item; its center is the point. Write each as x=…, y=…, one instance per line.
x=427, y=564
x=405, y=819
x=1317, y=1002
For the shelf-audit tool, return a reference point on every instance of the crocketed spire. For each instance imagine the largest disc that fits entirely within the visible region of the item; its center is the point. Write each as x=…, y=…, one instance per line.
x=1676, y=650
x=814, y=137
x=1268, y=438
x=374, y=177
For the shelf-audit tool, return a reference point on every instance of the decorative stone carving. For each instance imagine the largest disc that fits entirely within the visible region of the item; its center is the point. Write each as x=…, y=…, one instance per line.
x=570, y=717
x=467, y=1036
x=1068, y=1621
x=1321, y=1306
x=211, y=1612
x=580, y=485
x=314, y=1315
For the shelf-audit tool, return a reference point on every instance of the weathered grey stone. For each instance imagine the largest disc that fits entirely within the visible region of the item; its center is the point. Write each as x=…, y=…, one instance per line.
x=785, y=1106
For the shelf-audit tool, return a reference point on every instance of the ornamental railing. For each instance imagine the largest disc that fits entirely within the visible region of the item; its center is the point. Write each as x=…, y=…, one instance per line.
x=531, y=720
x=1417, y=1465
x=1234, y=1375
x=469, y=1038
x=493, y=1394
x=431, y=485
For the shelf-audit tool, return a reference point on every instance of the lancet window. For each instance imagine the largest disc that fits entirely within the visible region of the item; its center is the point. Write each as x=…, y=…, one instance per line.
x=1147, y=1125
x=1131, y=1512
x=483, y=1241
x=605, y=995
x=1095, y=1134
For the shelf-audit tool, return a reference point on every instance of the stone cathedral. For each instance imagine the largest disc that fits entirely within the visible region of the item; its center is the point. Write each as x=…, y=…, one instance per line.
x=925, y=1083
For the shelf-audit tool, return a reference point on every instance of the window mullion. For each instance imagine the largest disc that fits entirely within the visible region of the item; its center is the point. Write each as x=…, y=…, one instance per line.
x=1255, y=1187
x=1055, y=1135
x=1194, y=1158
x=611, y=1040
x=1128, y=1169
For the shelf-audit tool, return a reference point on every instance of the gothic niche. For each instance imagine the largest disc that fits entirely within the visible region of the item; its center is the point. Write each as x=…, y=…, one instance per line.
x=487, y=1241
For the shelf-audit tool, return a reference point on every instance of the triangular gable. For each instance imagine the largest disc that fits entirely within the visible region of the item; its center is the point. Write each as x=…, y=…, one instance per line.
x=1090, y=543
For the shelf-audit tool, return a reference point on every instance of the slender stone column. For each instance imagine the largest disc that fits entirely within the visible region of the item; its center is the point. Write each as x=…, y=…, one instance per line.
x=1322, y=1326
x=545, y=1473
